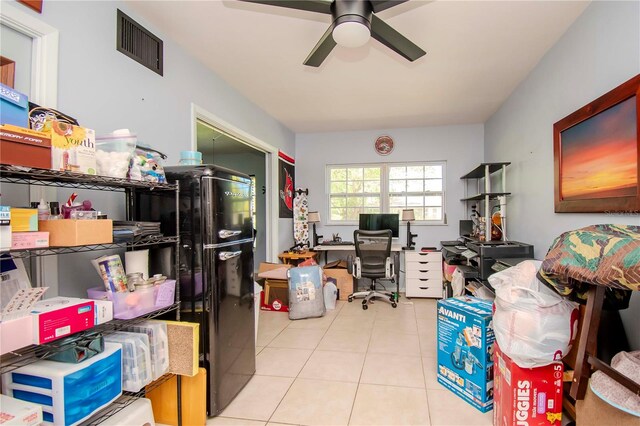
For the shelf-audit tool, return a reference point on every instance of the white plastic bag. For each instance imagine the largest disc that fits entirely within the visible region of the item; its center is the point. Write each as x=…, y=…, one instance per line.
x=330, y=295
x=533, y=325
x=457, y=283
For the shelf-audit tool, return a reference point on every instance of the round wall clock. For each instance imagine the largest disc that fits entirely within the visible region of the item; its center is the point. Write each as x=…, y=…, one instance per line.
x=384, y=145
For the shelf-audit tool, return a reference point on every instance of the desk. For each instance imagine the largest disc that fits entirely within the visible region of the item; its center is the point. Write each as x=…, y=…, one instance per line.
x=395, y=247
x=295, y=258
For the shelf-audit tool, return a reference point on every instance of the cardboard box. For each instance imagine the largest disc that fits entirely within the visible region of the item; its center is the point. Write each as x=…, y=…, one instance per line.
x=273, y=278
x=526, y=396
x=77, y=232
x=73, y=148
x=16, y=412
x=465, y=349
x=14, y=107
x=24, y=147
x=60, y=316
x=28, y=240
x=344, y=280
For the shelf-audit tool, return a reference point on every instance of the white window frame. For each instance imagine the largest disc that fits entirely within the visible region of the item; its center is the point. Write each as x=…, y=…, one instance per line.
x=384, y=189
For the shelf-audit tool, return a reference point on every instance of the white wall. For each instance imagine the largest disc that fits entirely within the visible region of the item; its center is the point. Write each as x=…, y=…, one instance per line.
x=460, y=146
x=105, y=90
x=599, y=51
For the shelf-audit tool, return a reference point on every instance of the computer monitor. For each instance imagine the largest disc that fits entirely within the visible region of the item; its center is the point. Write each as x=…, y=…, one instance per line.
x=379, y=221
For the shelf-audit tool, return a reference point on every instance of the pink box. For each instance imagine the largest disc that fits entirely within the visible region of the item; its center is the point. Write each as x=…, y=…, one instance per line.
x=16, y=334
x=29, y=240
x=60, y=316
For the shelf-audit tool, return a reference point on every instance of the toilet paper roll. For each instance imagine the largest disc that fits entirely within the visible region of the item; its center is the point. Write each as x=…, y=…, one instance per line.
x=137, y=261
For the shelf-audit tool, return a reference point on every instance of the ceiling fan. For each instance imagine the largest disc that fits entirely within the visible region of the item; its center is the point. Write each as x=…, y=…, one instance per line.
x=353, y=22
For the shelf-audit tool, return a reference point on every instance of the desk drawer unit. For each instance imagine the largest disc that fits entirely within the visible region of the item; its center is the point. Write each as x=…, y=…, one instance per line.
x=423, y=274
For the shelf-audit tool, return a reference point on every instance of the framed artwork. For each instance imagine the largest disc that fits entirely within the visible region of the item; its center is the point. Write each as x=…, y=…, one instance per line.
x=286, y=173
x=596, y=154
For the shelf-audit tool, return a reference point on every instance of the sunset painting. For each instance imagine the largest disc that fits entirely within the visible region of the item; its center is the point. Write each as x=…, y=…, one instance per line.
x=599, y=155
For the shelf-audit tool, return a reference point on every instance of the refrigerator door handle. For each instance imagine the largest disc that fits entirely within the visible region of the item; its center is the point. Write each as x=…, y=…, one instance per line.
x=226, y=255
x=226, y=233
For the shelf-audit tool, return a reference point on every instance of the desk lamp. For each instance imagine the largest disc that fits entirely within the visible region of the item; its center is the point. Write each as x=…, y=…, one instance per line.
x=408, y=215
x=314, y=217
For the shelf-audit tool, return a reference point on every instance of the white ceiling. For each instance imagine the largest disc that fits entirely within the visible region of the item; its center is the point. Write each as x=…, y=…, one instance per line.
x=477, y=53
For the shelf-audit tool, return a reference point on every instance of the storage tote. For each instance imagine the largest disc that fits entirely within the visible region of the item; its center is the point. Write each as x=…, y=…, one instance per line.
x=136, y=359
x=159, y=345
x=69, y=393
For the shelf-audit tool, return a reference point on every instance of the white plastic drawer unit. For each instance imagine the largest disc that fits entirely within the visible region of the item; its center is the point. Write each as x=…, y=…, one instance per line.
x=423, y=274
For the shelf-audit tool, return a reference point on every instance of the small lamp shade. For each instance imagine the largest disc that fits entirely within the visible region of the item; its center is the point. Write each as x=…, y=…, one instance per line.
x=407, y=215
x=314, y=217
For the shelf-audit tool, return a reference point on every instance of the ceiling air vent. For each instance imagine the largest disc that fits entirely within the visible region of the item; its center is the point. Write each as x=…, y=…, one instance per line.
x=138, y=43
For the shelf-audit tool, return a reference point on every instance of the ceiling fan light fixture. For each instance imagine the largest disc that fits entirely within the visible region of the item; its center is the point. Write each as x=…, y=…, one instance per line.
x=351, y=34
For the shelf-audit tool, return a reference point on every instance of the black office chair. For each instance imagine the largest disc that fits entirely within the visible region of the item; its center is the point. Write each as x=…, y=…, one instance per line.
x=373, y=260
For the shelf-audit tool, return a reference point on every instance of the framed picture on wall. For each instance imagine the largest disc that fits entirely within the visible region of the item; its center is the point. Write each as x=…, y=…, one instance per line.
x=596, y=153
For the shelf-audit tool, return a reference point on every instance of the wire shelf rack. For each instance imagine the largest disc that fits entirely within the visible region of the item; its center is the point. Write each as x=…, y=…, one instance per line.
x=48, y=251
x=123, y=401
x=45, y=177
x=33, y=353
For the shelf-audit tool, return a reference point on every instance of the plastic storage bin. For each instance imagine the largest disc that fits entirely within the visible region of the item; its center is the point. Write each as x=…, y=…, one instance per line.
x=114, y=152
x=129, y=305
x=69, y=393
x=136, y=359
x=159, y=345
x=138, y=413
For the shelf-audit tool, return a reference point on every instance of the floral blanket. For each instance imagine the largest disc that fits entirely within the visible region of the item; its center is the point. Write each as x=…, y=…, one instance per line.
x=607, y=255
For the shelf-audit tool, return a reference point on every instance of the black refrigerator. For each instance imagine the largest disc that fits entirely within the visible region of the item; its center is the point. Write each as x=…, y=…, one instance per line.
x=216, y=270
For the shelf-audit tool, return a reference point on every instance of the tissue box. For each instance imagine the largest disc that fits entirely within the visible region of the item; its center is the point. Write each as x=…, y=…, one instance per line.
x=69, y=393
x=60, y=316
x=29, y=240
x=73, y=148
x=16, y=412
x=14, y=107
x=465, y=349
x=16, y=333
x=531, y=396
x=77, y=232
x=24, y=220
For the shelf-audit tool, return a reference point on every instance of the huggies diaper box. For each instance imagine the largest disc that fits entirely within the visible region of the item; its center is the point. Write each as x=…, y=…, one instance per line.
x=465, y=349
x=526, y=396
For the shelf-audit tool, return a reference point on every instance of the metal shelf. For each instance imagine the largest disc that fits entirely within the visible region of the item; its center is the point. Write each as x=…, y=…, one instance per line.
x=46, y=177
x=48, y=251
x=479, y=172
x=492, y=196
x=124, y=400
x=33, y=353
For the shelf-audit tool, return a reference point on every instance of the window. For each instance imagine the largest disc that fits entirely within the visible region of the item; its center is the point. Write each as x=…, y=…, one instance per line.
x=386, y=188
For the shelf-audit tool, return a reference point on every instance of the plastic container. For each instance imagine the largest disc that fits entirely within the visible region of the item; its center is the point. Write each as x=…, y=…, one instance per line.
x=69, y=393
x=190, y=158
x=136, y=359
x=127, y=305
x=114, y=152
x=139, y=412
x=158, y=343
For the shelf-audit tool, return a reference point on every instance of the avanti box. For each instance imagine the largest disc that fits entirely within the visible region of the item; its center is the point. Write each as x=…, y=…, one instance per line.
x=465, y=349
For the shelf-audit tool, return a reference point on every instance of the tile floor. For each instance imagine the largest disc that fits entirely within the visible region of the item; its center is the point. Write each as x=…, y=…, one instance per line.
x=356, y=367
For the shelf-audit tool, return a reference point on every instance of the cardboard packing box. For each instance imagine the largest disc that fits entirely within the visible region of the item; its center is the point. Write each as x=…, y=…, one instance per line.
x=77, y=232
x=275, y=293
x=344, y=280
x=24, y=147
x=465, y=349
x=60, y=316
x=14, y=107
x=526, y=396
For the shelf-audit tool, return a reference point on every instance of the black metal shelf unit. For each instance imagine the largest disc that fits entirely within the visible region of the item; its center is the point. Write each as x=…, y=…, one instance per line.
x=53, y=178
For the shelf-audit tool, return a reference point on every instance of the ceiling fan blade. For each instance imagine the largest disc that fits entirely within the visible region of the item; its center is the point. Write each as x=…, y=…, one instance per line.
x=322, y=49
x=320, y=6
x=395, y=41
x=380, y=5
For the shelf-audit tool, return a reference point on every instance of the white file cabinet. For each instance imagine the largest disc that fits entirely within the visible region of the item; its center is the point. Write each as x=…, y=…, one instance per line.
x=423, y=274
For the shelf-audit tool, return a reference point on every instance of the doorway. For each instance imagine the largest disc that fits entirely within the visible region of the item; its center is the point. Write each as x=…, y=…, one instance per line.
x=222, y=149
